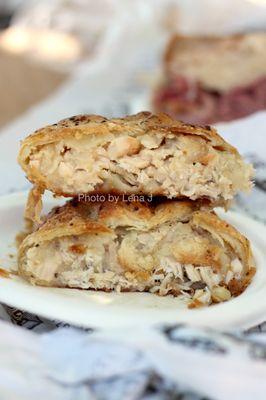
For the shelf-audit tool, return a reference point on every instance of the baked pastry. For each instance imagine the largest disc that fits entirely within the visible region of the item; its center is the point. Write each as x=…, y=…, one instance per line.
x=173, y=247
x=139, y=154
x=213, y=79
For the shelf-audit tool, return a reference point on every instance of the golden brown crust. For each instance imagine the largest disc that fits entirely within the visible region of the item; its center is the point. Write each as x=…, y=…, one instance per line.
x=138, y=124
x=237, y=287
x=75, y=218
x=227, y=233
x=135, y=125
x=32, y=213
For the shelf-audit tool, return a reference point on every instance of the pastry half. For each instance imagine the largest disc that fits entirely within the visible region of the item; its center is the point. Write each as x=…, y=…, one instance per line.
x=139, y=154
x=172, y=248
x=213, y=79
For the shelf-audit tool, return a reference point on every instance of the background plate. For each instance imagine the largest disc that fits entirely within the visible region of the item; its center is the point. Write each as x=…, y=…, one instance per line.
x=102, y=310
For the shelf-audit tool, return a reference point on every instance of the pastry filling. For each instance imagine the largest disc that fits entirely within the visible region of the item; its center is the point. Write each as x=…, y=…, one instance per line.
x=174, y=166
x=189, y=101
x=173, y=259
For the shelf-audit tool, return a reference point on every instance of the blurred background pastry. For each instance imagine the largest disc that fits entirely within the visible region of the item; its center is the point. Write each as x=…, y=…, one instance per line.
x=209, y=79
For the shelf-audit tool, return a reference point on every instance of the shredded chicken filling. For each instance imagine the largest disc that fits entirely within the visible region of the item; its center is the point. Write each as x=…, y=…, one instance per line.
x=137, y=261
x=179, y=165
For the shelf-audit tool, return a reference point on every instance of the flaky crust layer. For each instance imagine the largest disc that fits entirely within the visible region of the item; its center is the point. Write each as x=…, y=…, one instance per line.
x=76, y=218
x=136, y=125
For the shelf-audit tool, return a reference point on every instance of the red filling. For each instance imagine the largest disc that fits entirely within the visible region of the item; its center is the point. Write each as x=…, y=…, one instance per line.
x=188, y=101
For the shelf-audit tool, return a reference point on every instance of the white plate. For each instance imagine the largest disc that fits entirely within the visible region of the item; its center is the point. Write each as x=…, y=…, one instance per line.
x=99, y=309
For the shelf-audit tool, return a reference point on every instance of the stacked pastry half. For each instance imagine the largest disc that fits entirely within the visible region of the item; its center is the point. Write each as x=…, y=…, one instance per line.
x=141, y=216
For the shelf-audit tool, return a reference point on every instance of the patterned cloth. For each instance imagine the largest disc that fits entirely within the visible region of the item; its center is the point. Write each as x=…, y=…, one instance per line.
x=174, y=362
